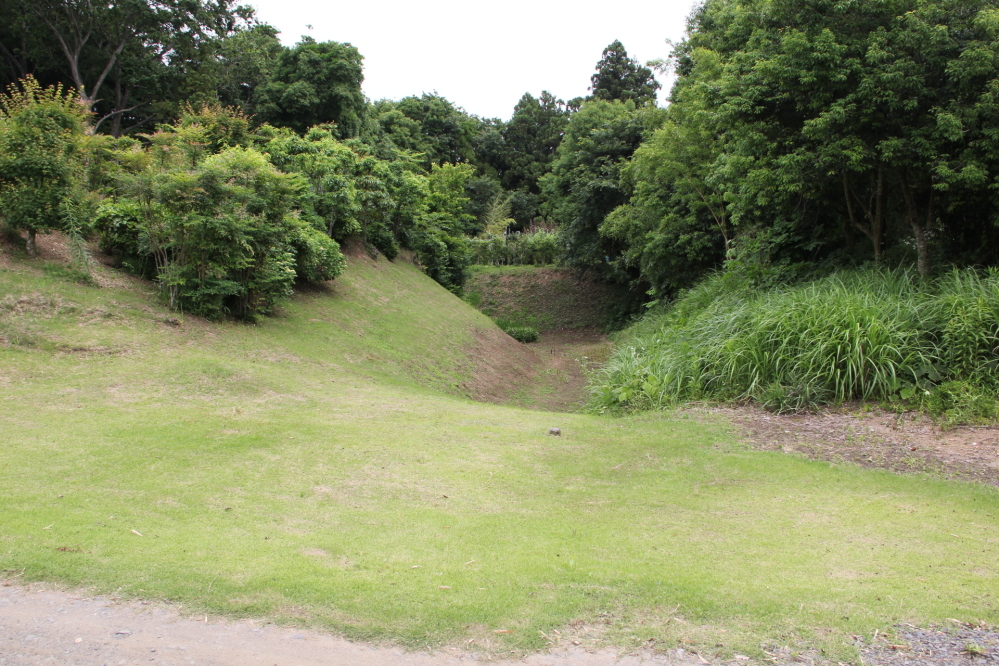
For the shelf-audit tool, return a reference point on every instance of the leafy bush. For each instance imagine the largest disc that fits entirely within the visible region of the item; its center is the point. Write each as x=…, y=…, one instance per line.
x=41, y=137
x=958, y=402
x=521, y=333
x=443, y=256
x=222, y=237
x=863, y=335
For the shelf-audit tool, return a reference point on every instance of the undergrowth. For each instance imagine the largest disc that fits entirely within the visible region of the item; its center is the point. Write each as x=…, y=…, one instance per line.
x=871, y=335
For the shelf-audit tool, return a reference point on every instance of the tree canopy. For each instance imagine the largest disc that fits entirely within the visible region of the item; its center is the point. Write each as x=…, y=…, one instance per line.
x=799, y=136
x=622, y=78
x=315, y=83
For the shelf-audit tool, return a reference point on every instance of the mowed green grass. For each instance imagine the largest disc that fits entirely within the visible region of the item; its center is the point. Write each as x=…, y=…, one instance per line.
x=313, y=469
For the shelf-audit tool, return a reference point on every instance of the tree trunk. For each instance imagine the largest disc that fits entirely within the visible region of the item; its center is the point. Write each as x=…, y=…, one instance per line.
x=851, y=220
x=30, y=245
x=919, y=229
x=877, y=223
x=874, y=212
x=18, y=67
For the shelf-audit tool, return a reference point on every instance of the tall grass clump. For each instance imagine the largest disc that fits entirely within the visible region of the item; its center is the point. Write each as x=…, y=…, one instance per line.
x=859, y=335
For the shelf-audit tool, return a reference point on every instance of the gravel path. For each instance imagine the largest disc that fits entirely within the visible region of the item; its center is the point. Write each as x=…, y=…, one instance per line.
x=958, y=646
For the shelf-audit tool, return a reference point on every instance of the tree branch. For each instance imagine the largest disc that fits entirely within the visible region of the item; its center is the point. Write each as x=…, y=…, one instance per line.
x=113, y=114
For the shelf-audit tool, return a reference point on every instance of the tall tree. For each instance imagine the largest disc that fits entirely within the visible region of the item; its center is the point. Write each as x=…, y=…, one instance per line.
x=622, y=78
x=530, y=140
x=247, y=61
x=315, y=83
x=821, y=130
x=431, y=125
x=585, y=183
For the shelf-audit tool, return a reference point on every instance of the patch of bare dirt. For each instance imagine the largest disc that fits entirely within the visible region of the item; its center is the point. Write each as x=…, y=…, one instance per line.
x=549, y=374
x=40, y=625
x=500, y=366
x=903, y=443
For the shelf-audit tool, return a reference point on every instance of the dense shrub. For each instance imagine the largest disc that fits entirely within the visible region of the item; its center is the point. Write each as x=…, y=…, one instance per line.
x=521, y=333
x=864, y=335
x=222, y=238
x=442, y=255
x=41, y=136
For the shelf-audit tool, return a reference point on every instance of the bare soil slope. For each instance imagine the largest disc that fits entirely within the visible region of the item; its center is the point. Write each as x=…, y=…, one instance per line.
x=548, y=298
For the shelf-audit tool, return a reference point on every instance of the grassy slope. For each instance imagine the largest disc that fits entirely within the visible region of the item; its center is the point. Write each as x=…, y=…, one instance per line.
x=296, y=469
x=547, y=298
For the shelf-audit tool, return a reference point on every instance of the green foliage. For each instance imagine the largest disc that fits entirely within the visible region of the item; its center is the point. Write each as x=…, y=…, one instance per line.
x=439, y=238
x=429, y=125
x=315, y=83
x=881, y=335
x=41, y=136
x=585, y=186
x=819, y=131
x=131, y=62
x=221, y=234
x=529, y=141
x=246, y=62
x=964, y=311
x=961, y=402
x=539, y=247
x=220, y=228
x=622, y=78
x=495, y=219
x=331, y=169
x=523, y=334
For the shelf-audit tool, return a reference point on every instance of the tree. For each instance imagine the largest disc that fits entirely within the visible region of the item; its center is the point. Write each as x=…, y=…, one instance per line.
x=246, y=61
x=585, y=185
x=820, y=131
x=430, y=125
x=315, y=83
x=440, y=239
x=138, y=46
x=622, y=78
x=676, y=223
x=224, y=237
x=530, y=140
x=41, y=132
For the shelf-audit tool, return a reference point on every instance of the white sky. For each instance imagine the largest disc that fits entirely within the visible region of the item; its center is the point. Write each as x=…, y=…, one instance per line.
x=482, y=56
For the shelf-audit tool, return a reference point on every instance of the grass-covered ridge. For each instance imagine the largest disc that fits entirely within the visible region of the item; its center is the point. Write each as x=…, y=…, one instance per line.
x=547, y=298
x=862, y=335
x=303, y=470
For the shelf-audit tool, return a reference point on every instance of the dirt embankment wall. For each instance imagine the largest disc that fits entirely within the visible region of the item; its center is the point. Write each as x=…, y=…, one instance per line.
x=550, y=298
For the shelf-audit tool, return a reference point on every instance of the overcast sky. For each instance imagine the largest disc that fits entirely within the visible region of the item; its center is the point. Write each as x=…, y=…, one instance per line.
x=482, y=56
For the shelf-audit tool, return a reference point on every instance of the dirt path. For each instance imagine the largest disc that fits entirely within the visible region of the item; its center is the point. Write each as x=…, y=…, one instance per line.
x=41, y=625
x=549, y=374
x=903, y=443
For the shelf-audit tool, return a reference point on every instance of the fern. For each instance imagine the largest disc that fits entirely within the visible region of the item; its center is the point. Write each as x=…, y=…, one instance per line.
x=496, y=218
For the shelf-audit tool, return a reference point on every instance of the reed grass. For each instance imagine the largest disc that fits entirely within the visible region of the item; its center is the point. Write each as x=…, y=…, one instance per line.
x=872, y=335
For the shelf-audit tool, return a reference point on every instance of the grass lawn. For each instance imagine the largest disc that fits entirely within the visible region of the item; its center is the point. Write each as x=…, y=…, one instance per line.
x=322, y=468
